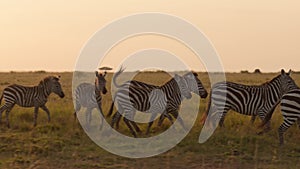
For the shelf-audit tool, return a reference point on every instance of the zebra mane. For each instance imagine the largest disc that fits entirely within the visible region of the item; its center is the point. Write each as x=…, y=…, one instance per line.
x=195, y=73
x=271, y=81
x=48, y=79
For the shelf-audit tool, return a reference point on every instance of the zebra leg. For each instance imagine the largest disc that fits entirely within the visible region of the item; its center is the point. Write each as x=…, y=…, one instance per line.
x=150, y=122
x=136, y=127
x=267, y=125
x=130, y=127
x=88, y=117
x=162, y=117
x=36, y=110
x=116, y=119
x=77, y=108
x=7, y=117
x=132, y=122
x=218, y=116
x=253, y=117
x=222, y=119
x=47, y=111
x=101, y=116
x=176, y=116
x=283, y=127
x=1, y=111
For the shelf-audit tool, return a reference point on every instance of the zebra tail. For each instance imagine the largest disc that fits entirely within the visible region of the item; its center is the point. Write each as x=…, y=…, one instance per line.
x=116, y=75
x=204, y=116
x=110, y=110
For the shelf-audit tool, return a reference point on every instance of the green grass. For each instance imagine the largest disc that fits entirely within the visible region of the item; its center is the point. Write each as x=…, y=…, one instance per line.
x=62, y=143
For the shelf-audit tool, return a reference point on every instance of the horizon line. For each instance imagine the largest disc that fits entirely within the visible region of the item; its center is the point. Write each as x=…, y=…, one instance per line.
x=145, y=71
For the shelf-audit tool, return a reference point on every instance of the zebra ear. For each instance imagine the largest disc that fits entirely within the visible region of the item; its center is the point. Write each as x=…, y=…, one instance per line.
x=104, y=73
x=177, y=77
x=56, y=78
x=282, y=72
x=192, y=75
x=96, y=72
x=290, y=72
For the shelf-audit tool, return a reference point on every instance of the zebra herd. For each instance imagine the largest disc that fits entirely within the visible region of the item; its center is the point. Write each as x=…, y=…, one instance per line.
x=165, y=100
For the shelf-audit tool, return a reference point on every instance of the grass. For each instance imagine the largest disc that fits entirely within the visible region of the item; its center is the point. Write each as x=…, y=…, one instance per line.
x=62, y=143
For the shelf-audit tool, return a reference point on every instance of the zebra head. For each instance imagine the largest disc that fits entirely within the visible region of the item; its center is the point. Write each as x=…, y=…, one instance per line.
x=197, y=88
x=183, y=86
x=54, y=85
x=100, y=82
x=287, y=83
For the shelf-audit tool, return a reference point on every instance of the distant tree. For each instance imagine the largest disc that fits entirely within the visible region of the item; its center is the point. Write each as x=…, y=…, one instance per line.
x=244, y=71
x=257, y=71
x=40, y=71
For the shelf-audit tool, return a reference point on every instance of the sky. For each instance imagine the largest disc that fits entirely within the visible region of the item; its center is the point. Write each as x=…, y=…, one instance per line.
x=247, y=34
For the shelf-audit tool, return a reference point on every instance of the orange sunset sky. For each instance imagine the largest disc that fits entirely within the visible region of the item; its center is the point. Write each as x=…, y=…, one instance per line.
x=247, y=34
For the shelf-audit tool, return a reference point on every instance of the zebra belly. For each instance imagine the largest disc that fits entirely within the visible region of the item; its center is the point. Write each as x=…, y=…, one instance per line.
x=224, y=104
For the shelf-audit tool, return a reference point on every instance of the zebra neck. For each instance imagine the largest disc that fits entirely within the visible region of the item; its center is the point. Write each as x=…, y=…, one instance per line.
x=45, y=89
x=274, y=91
x=170, y=88
x=97, y=92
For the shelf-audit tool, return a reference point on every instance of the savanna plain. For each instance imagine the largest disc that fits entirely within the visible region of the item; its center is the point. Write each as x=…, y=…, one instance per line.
x=62, y=143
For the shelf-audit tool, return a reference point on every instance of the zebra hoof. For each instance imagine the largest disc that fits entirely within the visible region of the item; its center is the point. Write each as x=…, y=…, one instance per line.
x=134, y=135
x=260, y=133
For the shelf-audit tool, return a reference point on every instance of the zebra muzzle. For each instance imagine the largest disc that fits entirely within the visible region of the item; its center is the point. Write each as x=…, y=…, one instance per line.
x=62, y=95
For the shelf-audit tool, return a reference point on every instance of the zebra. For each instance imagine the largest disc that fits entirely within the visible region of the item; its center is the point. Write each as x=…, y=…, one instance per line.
x=189, y=77
x=89, y=96
x=130, y=85
x=196, y=88
x=150, y=98
x=35, y=96
x=290, y=108
x=248, y=100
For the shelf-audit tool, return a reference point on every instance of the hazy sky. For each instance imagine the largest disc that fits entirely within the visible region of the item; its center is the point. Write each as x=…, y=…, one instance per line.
x=247, y=34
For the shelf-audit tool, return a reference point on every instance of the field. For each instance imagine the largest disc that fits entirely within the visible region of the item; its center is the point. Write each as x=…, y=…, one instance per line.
x=62, y=143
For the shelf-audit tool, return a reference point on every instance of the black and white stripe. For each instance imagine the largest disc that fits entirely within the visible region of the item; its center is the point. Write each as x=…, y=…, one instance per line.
x=89, y=96
x=290, y=108
x=35, y=96
x=248, y=100
x=190, y=78
x=195, y=86
x=165, y=99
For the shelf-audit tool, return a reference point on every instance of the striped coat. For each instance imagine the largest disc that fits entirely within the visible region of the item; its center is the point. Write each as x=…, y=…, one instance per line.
x=248, y=100
x=35, y=96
